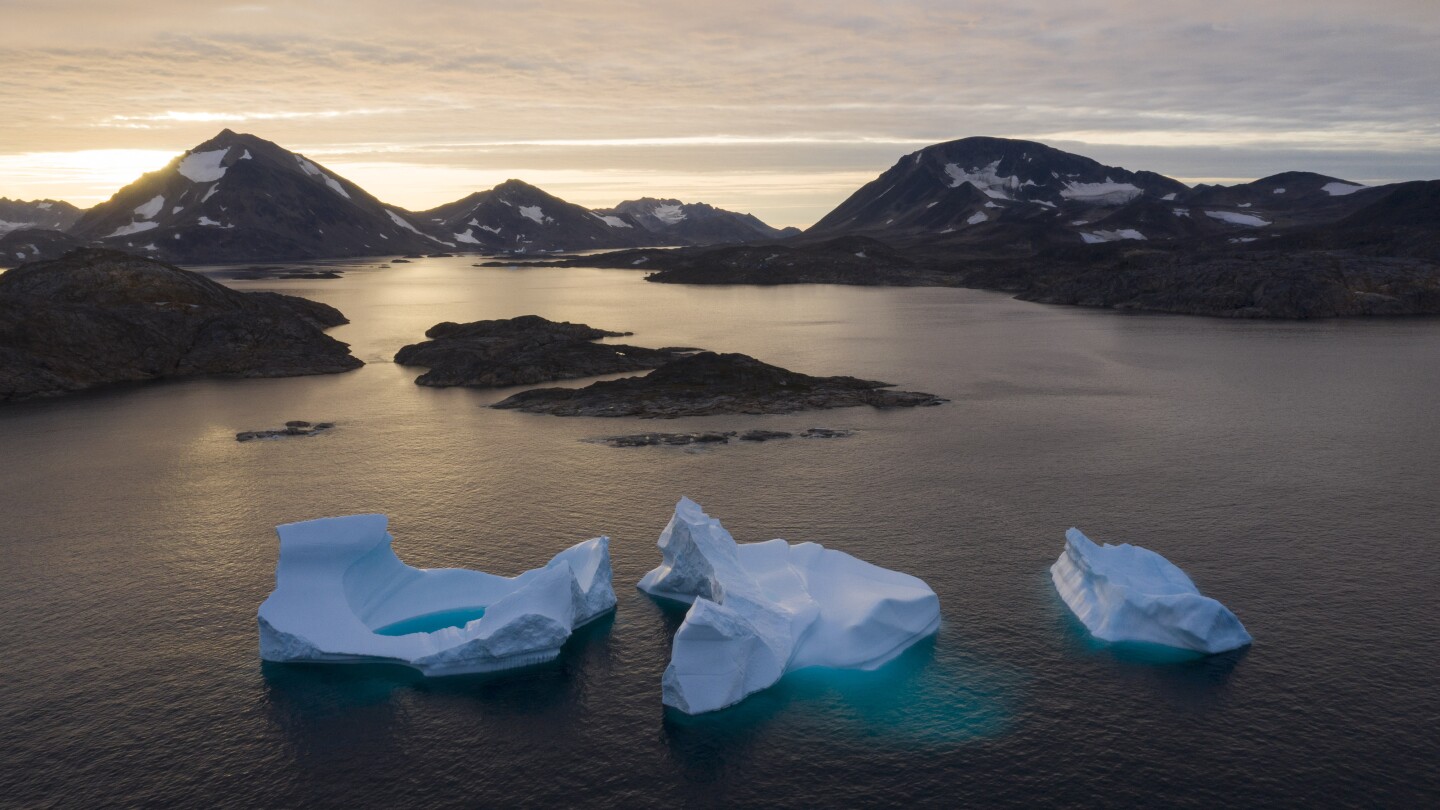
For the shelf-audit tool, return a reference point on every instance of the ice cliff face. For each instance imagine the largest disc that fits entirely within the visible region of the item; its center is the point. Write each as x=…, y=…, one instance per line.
x=1128, y=593
x=759, y=610
x=338, y=583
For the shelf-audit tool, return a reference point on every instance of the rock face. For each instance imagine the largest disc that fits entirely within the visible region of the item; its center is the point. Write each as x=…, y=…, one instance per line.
x=523, y=351
x=672, y=222
x=709, y=383
x=96, y=317
x=1128, y=593
x=236, y=198
x=759, y=610
x=342, y=596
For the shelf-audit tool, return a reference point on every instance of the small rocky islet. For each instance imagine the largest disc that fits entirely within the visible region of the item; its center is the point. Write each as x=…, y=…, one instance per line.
x=685, y=381
x=523, y=351
x=295, y=427
x=708, y=383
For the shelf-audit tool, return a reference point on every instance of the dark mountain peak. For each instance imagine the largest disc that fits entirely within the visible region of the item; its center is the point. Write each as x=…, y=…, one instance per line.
x=962, y=184
x=239, y=197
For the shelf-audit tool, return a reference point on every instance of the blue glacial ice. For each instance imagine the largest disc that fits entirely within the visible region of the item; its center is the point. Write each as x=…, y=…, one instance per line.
x=1131, y=594
x=341, y=594
x=759, y=610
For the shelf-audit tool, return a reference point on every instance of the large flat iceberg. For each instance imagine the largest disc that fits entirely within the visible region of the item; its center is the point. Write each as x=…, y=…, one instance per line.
x=341, y=595
x=759, y=610
x=1128, y=593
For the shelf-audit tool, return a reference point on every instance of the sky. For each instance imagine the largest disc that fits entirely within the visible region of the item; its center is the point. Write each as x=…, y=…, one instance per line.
x=781, y=109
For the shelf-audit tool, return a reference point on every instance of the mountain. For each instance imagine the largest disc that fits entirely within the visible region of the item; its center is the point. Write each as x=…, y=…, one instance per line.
x=240, y=198
x=34, y=244
x=518, y=217
x=53, y=215
x=672, y=222
x=959, y=185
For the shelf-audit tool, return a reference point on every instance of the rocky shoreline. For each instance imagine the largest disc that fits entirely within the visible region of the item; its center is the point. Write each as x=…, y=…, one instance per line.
x=96, y=317
x=715, y=437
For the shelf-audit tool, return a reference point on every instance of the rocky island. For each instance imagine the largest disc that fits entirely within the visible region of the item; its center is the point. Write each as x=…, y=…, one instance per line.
x=523, y=351
x=95, y=317
x=708, y=383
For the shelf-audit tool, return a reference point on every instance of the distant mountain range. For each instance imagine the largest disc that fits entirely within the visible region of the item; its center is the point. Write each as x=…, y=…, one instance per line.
x=1060, y=228
x=238, y=198
x=982, y=212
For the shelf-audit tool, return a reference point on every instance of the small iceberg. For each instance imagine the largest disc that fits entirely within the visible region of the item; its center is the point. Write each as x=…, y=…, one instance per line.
x=1128, y=593
x=341, y=595
x=759, y=610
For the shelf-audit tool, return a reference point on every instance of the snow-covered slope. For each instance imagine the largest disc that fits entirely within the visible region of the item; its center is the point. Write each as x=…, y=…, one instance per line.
x=759, y=610
x=341, y=595
x=237, y=197
x=1128, y=593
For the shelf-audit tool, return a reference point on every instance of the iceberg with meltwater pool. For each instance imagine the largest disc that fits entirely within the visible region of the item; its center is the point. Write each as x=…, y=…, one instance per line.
x=759, y=610
x=1128, y=593
x=341, y=595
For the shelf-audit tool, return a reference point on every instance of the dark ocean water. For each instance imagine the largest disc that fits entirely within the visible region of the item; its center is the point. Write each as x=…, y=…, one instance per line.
x=1290, y=468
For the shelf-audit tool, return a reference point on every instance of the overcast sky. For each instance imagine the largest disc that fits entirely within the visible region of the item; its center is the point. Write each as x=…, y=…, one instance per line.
x=776, y=108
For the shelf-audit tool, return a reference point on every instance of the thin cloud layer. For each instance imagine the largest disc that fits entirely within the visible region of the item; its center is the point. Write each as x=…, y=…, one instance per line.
x=769, y=90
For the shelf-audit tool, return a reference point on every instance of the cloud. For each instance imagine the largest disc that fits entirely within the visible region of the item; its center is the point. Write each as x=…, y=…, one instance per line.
x=740, y=83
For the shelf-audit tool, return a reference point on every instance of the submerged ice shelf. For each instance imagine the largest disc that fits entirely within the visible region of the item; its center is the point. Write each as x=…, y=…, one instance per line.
x=759, y=610
x=1128, y=593
x=341, y=595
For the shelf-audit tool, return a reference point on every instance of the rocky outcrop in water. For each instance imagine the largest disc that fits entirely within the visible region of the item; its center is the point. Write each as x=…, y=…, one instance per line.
x=295, y=427
x=523, y=351
x=96, y=317
x=710, y=383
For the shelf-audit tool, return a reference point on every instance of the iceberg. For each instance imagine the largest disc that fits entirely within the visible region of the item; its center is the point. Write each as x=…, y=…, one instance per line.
x=341, y=595
x=1128, y=593
x=759, y=610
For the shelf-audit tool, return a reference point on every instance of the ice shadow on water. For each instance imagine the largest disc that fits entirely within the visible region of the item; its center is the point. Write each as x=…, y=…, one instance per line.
x=333, y=711
x=929, y=696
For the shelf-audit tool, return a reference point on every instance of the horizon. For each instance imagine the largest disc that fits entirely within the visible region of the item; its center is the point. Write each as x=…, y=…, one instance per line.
x=779, y=112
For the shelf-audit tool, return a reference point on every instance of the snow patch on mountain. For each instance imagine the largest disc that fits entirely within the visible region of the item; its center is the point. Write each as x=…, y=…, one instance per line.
x=467, y=237
x=203, y=167
x=1249, y=220
x=210, y=193
x=1340, y=189
x=1111, y=236
x=399, y=220
x=314, y=171
x=150, y=209
x=977, y=218
x=1106, y=193
x=614, y=222
x=132, y=228
x=533, y=212
x=987, y=180
x=669, y=214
